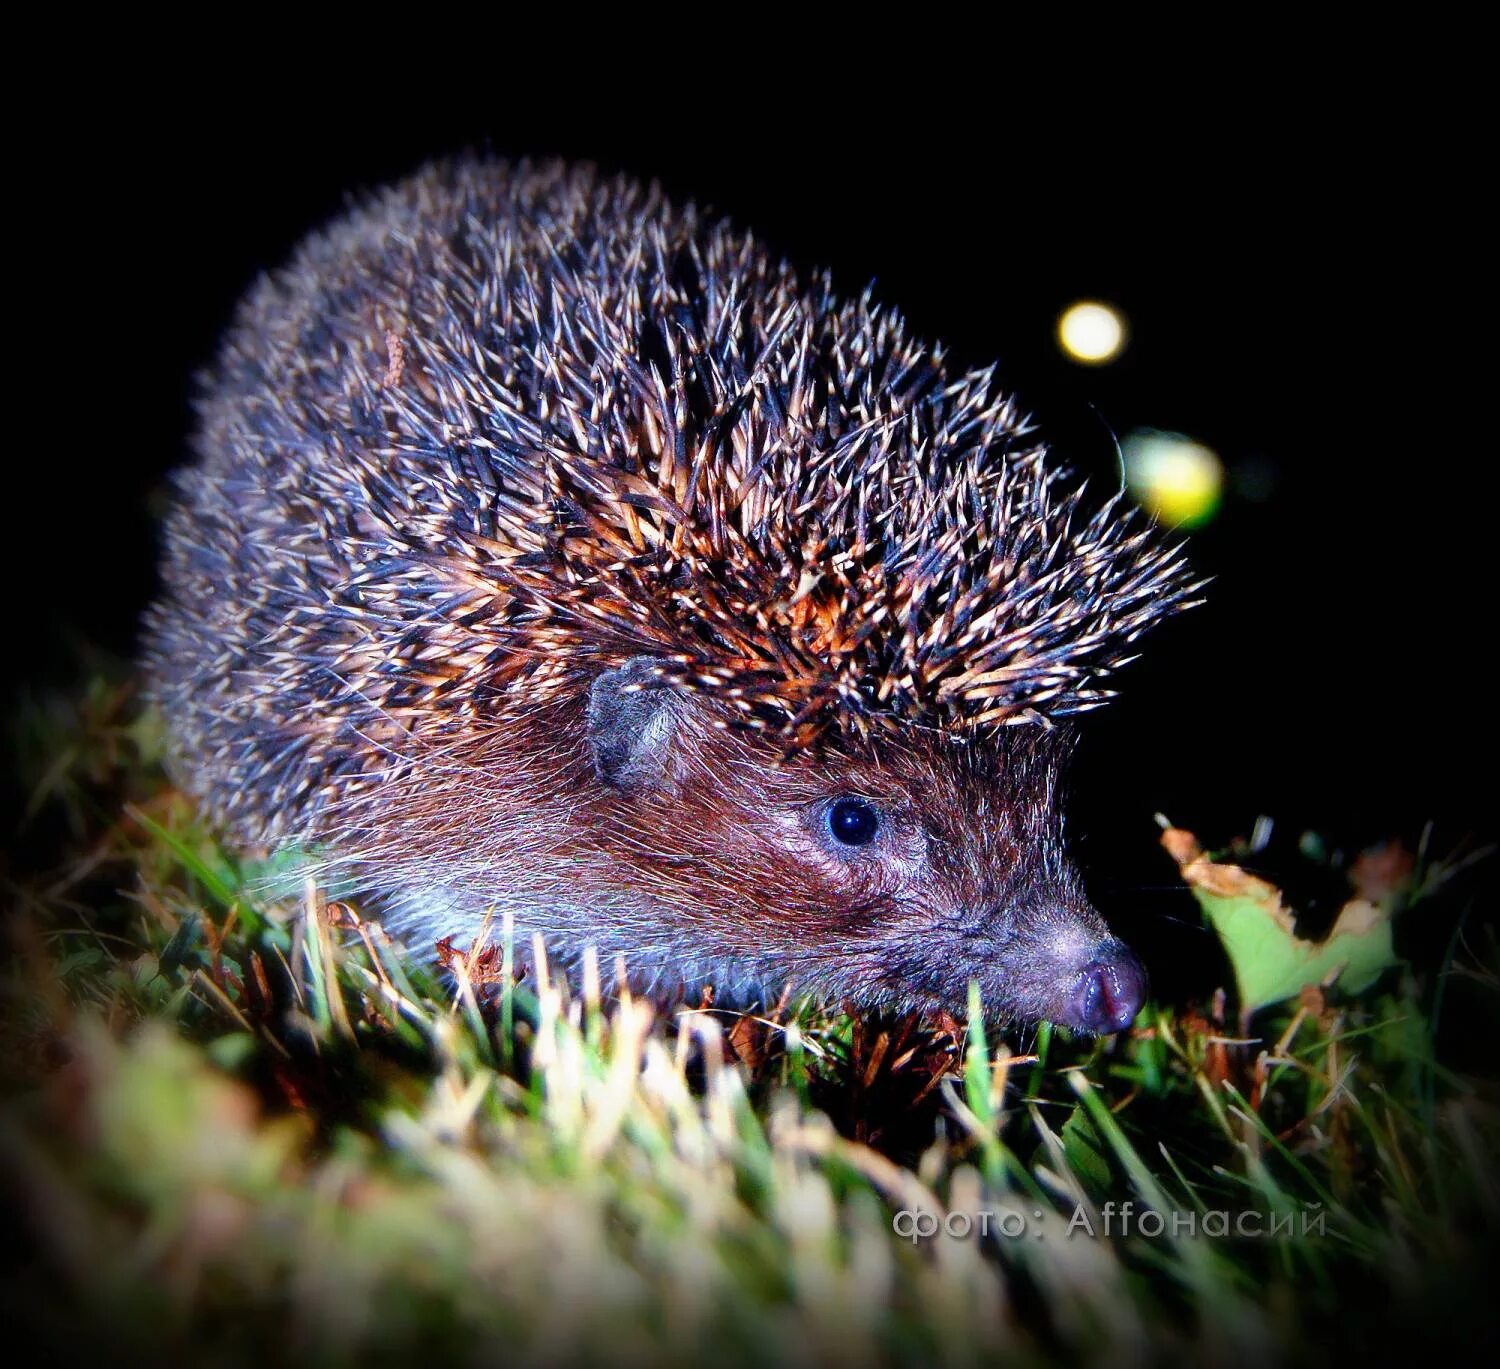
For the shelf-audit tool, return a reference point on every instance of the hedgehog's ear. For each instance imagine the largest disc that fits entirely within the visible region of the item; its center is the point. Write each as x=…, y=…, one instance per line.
x=635, y=717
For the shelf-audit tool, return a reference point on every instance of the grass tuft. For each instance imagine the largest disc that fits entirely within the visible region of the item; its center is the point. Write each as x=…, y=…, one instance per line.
x=243, y=1127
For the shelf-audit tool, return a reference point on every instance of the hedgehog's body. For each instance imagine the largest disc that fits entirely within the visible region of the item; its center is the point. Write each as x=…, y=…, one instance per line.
x=551, y=551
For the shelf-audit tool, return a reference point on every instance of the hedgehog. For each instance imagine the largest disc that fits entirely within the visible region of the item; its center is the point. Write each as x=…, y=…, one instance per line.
x=553, y=555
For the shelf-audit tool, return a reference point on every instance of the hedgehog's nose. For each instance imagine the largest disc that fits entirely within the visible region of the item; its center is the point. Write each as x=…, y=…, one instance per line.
x=1108, y=991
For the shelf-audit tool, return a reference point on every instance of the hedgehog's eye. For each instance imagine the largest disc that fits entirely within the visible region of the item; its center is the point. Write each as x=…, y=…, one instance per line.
x=853, y=822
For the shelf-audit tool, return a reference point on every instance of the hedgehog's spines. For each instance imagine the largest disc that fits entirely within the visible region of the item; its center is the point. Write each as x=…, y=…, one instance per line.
x=500, y=428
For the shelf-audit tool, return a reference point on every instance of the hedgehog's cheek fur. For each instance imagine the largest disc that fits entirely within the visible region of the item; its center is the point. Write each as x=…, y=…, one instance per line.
x=965, y=881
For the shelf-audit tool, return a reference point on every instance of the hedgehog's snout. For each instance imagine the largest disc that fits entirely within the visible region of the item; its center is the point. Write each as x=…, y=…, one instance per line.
x=1107, y=993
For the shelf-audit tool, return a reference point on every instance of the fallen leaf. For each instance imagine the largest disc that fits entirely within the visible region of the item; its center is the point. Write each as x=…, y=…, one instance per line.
x=1271, y=962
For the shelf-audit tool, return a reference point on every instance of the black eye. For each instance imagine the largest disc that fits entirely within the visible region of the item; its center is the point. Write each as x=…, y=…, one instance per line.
x=853, y=822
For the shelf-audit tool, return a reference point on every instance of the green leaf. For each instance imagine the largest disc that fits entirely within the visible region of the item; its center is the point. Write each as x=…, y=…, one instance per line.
x=1081, y=1146
x=1271, y=962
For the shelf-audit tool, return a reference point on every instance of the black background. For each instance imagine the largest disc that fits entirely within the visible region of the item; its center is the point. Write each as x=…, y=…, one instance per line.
x=1300, y=274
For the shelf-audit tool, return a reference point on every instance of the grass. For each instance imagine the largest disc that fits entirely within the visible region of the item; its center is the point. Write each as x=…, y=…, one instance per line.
x=242, y=1129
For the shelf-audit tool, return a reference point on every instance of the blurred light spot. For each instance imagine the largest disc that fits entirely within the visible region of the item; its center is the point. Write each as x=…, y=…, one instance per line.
x=1177, y=479
x=1091, y=332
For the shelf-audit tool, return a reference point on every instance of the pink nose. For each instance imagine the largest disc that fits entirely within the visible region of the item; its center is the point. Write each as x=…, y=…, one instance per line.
x=1107, y=993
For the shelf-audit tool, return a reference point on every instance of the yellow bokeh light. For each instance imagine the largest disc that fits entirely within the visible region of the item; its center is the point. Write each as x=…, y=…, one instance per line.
x=1091, y=332
x=1177, y=479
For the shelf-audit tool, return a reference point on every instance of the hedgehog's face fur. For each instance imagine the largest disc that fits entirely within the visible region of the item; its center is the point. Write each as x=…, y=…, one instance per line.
x=888, y=872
